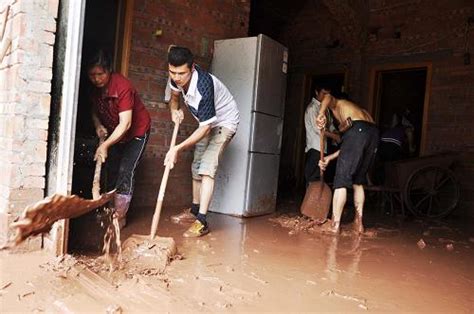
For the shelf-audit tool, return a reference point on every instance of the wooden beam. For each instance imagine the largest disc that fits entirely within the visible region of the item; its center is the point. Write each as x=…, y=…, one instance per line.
x=123, y=41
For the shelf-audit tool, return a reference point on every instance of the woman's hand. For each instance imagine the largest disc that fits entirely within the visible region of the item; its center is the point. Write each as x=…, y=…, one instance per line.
x=101, y=153
x=101, y=131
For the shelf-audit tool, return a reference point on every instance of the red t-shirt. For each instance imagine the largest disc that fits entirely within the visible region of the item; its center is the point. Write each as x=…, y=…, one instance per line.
x=118, y=96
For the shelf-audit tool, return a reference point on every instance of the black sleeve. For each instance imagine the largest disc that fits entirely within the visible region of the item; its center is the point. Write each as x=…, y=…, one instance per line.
x=206, y=109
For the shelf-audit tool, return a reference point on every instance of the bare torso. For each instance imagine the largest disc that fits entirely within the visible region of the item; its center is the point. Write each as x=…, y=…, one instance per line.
x=343, y=109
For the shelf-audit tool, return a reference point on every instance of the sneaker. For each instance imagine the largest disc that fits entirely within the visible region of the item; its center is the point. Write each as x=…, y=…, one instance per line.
x=185, y=216
x=197, y=229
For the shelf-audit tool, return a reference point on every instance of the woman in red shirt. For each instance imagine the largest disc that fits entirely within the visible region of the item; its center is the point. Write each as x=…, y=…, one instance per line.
x=119, y=116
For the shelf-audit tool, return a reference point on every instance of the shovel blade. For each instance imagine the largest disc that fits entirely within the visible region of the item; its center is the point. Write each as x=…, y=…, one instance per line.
x=317, y=201
x=39, y=217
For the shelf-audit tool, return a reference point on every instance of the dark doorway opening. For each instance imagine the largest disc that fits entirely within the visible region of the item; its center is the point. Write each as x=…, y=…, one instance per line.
x=402, y=93
x=101, y=29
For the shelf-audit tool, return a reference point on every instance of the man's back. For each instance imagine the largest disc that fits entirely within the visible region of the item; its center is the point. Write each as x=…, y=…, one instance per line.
x=344, y=109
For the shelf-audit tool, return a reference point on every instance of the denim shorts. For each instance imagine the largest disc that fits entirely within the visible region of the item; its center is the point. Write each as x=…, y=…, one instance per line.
x=208, y=152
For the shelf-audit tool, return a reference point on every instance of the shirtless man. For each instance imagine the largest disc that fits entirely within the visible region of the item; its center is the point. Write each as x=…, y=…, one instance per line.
x=357, y=152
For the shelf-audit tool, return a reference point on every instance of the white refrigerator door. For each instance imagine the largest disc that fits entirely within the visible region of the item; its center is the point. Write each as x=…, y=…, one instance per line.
x=266, y=133
x=271, y=77
x=262, y=184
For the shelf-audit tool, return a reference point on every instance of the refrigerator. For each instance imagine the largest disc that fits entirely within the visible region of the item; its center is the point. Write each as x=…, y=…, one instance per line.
x=254, y=69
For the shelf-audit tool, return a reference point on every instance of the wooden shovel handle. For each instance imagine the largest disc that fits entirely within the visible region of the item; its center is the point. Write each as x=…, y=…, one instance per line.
x=96, y=181
x=322, y=140
x=161, y=193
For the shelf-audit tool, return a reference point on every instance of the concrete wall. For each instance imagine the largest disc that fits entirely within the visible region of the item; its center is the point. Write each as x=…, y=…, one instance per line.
x=25, y=86
x=357, y=37
x=194, y=24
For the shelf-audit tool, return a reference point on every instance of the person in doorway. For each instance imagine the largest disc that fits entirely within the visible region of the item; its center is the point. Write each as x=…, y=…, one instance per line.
x=357, y=152
x=120, y=117
x=396, y=143
x=313, y=137
x=213, y=106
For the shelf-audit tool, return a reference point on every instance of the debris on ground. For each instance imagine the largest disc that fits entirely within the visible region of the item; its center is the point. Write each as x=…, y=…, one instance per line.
x=113, y=309
x=362, y=302
x=421, y=244
x=296, y=224
x=62, y=264
x=6, y=285
x=450, y=247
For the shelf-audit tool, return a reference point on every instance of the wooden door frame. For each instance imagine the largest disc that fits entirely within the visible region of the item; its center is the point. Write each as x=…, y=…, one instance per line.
x=122, y=52
x=374, y=92
x=68, y=115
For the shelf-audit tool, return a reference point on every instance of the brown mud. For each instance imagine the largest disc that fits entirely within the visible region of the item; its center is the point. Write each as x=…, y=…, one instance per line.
x=39, y=217
x=255, y=265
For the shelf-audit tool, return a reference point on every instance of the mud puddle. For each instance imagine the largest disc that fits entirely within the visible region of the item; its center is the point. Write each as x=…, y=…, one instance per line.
x=255, y=265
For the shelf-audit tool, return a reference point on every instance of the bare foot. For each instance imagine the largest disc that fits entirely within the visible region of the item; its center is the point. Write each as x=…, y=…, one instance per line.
x=331, y=227
x=357, y=225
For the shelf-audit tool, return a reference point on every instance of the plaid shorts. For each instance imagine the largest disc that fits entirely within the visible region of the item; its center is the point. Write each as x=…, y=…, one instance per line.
x=208, y=152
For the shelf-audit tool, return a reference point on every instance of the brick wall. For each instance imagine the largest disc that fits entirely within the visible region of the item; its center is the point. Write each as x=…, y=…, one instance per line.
x=25, y=86
x=357, y=35
x=195, y=24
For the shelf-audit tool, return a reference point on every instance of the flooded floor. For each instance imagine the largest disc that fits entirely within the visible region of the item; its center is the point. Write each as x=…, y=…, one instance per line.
x=257, y=265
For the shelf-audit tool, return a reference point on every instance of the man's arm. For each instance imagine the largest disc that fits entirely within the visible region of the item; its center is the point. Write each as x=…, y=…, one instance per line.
x=321, y=118
x=177, y=114
x=334, y=136
x=197, y=135
x=172, y=155
x=125, y=121
x=323, y=164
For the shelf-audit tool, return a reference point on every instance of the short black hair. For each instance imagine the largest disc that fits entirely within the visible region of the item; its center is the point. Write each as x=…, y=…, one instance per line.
x=100, y=58
x=178, y=56
x=322, y=86
x=332, y=89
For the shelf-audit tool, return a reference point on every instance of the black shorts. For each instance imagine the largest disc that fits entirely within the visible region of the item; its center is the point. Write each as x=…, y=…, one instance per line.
x=311, y=169
x=358, y=149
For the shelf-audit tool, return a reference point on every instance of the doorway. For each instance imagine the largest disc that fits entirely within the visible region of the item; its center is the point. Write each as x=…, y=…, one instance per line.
x=107, y=27
x=401, y=94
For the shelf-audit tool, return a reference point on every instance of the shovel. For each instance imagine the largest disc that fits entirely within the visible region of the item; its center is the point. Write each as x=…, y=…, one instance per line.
x=147, y=249
x=317, y=199
x=161, y=196
x=39, y=217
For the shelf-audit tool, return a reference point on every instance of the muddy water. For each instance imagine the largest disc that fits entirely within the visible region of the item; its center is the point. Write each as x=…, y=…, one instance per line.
x=256, y=265
x=113, y=259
